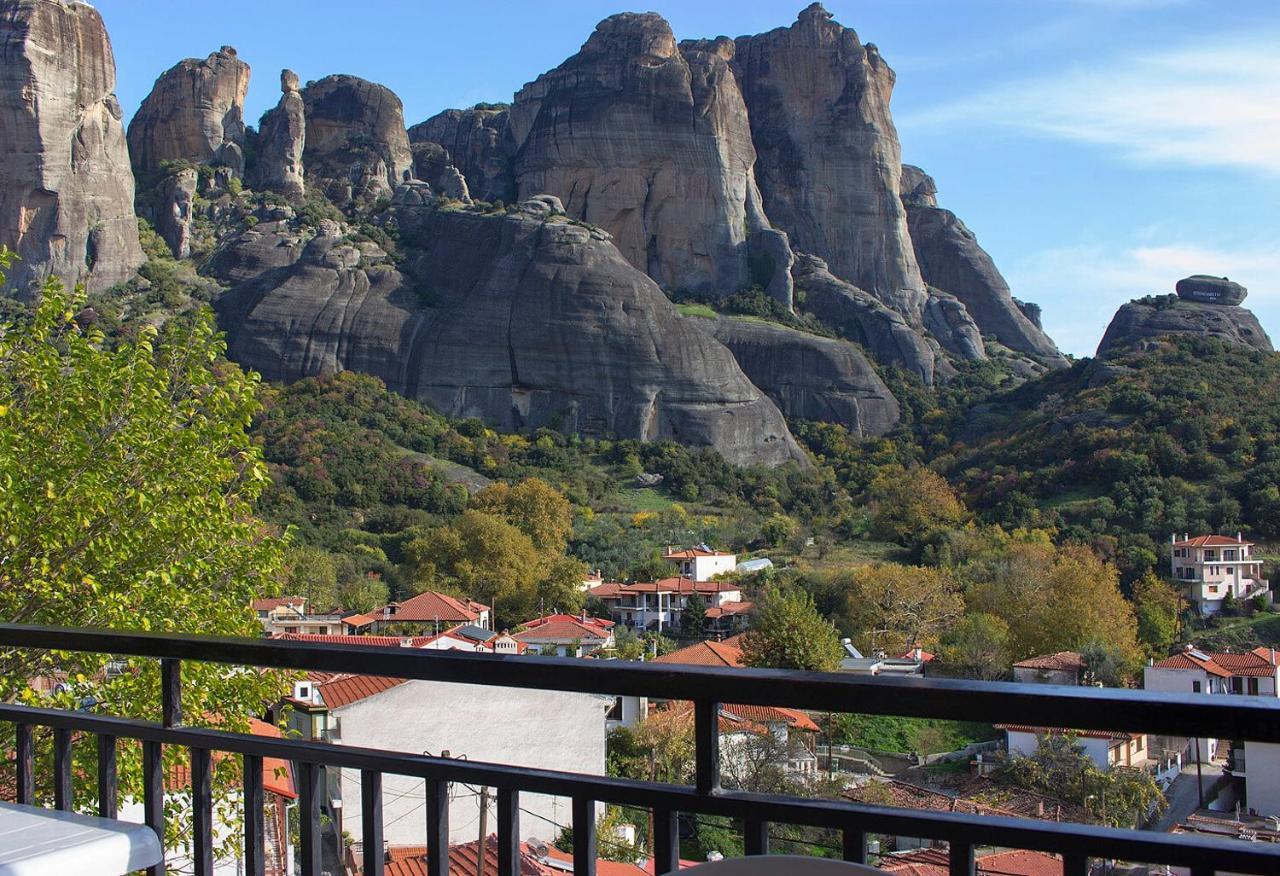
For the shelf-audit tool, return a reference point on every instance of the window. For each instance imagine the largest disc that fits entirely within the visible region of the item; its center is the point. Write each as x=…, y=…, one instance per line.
x=615, y=713
x=1253, y=686
x=1195, y=687
x=1237, y=685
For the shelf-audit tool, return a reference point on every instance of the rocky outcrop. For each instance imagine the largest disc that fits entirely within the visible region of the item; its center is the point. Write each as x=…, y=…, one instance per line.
x=948, y=320
x=1143, y=320
x=175, y=195
x=523, y=319
x=1210, y=290
x=650, y=141
x=282, y=138
x=478, y=143
x=195, y=112
x=950, y=259
x=357, y=150
x=66, y=188
x=431, y=164
x=828, y=160
x=863, y=318
x=810, y=377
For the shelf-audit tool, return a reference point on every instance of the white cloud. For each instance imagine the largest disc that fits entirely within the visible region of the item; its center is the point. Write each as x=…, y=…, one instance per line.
x=1211, y=104
x=1081, y=286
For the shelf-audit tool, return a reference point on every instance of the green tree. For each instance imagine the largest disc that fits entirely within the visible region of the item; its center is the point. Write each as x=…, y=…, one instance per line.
x=693, y=619
x=894, y=607
x=127, y=503
x=913, y=505
x=312, y=573
x=1156, y=606
x=976, y=647
x=534, y=507
x=788, y=633
x=778, y=530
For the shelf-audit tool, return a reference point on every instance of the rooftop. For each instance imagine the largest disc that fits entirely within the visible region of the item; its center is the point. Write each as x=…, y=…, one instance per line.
x=704, y=654
x=271, y=603
x=1114, y=736
x=565, y=627
x=1064, y=661
x=433, y=606
x=693, y=553
x=1204, y=541
x=934, y=862
x=1258, y=662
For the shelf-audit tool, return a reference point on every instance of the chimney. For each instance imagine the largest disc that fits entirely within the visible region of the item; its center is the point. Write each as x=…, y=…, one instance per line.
x=1239, y=536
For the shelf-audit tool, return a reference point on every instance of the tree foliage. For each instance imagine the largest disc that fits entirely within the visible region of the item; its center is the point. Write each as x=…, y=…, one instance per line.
x=976, y=647
x=893, y=608
x=789, y=633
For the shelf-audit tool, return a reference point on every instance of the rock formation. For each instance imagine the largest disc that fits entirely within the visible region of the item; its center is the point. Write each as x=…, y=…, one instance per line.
x=478, y=142
x=950, y=259
x=828, y=160
x=861, y=317
x=523, y=319
x=809, y=377
x=948, y=320
x=357, y=150
x=431, y=164
x=1204, y=305
x=175, y=196
x=282, y=136
x=650, y=141
x=66, y=189
x=195, y=112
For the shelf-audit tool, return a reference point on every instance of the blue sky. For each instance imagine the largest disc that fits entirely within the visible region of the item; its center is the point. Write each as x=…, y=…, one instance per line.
x=1100, y=149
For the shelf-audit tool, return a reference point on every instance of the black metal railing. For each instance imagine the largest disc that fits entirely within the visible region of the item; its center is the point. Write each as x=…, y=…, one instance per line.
x=1251, y=718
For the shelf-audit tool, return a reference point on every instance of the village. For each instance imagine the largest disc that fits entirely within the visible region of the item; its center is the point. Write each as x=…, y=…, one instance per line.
x=1218, y=787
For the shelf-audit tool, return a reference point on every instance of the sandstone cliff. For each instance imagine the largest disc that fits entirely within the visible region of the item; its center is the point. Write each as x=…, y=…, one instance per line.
x=828, y=160
x=523, y=319
x=195, y=112
x=951, y=259
x=1206, y=306
x=282, y=137
x=357, y=150
x=809, y=377
x=650, y=142
x=478, y=142
x=66, y=189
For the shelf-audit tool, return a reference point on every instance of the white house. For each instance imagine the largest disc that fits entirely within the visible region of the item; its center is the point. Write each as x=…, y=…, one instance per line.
x=1215, y=566
x=566, y=635
x=700, y=563
x=288, y=614
x=475, y=722
x=660, y=605
x=1064, y=667
x=1244, y=673
x=1106, y=749
x=429, y=613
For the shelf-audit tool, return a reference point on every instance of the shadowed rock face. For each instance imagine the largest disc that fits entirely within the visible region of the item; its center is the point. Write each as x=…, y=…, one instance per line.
x=809, y=377
x=1143, y=320
x=951, y=260
x=66, y=189
x=522, y=320
x=282, y=142
x=650, y=141
x=478, y=143
x=356, y=146
x=949, y=321
x=195, y=112
x=861, y=317
x=828, y=160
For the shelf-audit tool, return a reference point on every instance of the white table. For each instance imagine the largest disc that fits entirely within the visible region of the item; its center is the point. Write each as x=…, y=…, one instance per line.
x=43, y=842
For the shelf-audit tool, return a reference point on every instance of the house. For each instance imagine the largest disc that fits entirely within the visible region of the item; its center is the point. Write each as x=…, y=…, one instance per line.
x=1009, y=862
x=447, y=719
x=1064, y=667
x=660, y=605
x=1242, y=673
x=700, y=563
x=728, y=618
x=428, y=613
x=279, y=795
x=912, y=662
x=566, y=635
x=1213, y=567
x=288, y=614
x=1105, y=748
x=463, y=638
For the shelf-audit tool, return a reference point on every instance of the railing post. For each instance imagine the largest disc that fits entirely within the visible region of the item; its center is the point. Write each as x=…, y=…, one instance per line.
x=755, y=836
x=854, y=842
x=961, y=858
x=706, y=734
x=153, y=795
x=1075, y=865
x=371, y=822
x=255, y=848
x=584, y=837
x=309, y=816
x=171, y=691
x=508, y=832
x=62, y=790
x=107, y=787
x=24, y=769
x=437, y=828
x=666, y=841
x=202, y=811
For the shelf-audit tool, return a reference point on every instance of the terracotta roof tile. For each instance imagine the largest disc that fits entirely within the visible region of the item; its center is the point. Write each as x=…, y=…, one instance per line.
x=565, y=627
x=935, y=862
x=1203, y=541
x=274, y=602
x=430, y=606
x=704, y=654
x=1115, y=735
x=1258, y=662
x=1066, y=661
x=692, y=553
x=343, y=690
x=731, y=608
x=366, y=641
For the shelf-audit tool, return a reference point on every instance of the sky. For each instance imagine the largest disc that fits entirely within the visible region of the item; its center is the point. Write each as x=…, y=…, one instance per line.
x=1099, y=149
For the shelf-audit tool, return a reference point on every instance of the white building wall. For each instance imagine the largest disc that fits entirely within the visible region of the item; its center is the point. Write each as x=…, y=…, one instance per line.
x=1262, y=777
x=706, y=568
x=1026, y=744
x=1183, y=681
x=545, y=729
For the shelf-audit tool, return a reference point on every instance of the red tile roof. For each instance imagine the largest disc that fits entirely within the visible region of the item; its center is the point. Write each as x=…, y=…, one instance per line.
x=1065, y=661
x=1258, y=662
x=692, y=553
x=367, y=641
x=904, y=795
x=431, y=606
x=680, y=586
x=1113, y=735
x=934, y=862
x=463, y=860
x=731, y=608
x=343, y=690
x=704, y=654
x=793, y=718
x=564, y=627
x=274, y=602
x=1203, y=541
x=358, y=620
x=277, y=774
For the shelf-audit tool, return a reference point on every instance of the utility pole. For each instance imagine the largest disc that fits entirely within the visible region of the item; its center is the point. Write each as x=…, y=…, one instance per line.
x=484, y=828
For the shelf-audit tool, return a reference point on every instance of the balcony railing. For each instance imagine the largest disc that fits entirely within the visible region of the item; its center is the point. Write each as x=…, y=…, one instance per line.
x=1243, y=718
